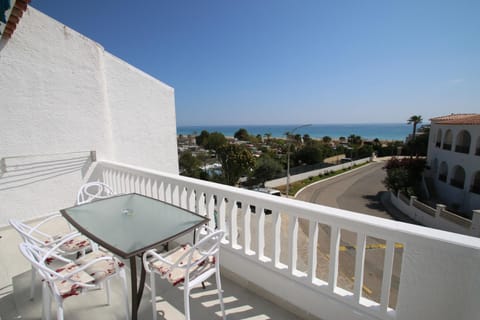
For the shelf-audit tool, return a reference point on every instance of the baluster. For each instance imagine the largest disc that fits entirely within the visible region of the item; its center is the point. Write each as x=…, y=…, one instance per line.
x=333, y=268
x=387, y=275
x=234, y=226
x=191, y=200
x=277, y=228
x=247, y=235
x=261, y=235
x=312, y=250
x=161, y=191
x=359, y=265
x=293, y=243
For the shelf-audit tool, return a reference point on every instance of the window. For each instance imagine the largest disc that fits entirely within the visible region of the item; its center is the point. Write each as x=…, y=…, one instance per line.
x=442, y=176
x=462, y=144
x=438, y=144
x=475, y=187
x=447, y=141
x=458, y=179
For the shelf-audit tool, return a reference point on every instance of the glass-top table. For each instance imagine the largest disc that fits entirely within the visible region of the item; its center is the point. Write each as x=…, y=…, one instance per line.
x=130, y=224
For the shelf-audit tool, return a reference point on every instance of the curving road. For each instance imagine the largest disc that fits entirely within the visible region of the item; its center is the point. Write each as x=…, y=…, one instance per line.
x=359, y=191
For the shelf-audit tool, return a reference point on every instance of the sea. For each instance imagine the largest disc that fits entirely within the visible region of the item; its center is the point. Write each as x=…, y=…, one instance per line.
x=382, y=131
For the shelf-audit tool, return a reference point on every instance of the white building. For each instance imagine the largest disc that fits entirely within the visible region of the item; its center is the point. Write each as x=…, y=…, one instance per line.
x=454, y=160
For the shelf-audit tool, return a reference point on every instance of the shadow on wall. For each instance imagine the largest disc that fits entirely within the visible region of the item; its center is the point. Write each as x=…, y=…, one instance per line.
x=19, y=171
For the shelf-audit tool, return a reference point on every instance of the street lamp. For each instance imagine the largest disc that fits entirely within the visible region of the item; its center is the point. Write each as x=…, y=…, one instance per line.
x=288, y=154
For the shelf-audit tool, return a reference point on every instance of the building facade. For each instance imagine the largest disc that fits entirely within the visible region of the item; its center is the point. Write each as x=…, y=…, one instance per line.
x=454, y=161
x=63, y=96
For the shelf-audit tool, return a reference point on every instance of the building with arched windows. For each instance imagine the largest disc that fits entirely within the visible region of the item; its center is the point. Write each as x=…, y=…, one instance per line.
x=454, y=160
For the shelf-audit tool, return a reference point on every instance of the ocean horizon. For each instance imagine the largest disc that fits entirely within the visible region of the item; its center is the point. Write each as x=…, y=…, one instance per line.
x=382, y=131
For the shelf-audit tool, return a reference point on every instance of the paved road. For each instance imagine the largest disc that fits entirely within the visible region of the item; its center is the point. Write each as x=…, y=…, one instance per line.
x=359, y=191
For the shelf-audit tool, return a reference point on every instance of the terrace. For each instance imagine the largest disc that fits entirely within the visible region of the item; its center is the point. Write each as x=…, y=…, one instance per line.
x=64, y=93
x=276, y=267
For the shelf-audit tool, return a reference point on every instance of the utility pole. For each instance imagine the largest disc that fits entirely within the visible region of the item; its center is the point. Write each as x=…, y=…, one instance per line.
x=288, y=134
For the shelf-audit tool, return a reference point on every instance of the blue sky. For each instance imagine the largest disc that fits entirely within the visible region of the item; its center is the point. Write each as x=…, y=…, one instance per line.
x=294, y=61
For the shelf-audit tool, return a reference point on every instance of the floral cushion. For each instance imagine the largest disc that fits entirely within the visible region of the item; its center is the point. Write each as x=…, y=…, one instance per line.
x=177, y=275
x=101, y=269
x=73, y=245
x=72, y=287
x=95, y=273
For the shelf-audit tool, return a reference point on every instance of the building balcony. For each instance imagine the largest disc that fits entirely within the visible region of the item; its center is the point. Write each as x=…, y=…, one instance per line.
x=457, y=183
x=462, y=149
x=447, y=146
x=302, y=261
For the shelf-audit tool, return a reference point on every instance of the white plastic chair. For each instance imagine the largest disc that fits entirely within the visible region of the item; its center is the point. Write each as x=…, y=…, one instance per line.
x=73, y=277
x=188, y=264
x=93, y=190
x=36, y=236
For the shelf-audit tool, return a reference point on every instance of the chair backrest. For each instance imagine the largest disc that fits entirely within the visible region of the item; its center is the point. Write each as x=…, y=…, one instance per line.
x=207, y=248
x=93, y=190
x=30, y=234
x=40, y=257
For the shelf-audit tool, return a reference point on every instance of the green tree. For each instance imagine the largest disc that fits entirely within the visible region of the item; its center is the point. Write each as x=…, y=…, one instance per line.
x=266, y=168
x=326, y=139
x=309, y=154
x=189, y=165
x=404, y=175
x=415, y=120
x=354, y=140
x=236, y=161
x=242, y=134
x=215, y=141
x=202, y=139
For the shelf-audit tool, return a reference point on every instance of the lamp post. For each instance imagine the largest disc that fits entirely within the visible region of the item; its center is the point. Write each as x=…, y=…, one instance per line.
x=288, y=154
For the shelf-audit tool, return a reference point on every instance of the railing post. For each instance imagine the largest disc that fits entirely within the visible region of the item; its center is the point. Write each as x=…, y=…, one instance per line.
x=412, y=200
x=440, y=208
x=475, y=228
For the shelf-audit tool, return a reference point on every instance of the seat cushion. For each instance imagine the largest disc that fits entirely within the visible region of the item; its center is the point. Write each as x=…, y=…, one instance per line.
x=73, y=245
x=177, y=275
x=72, y=287
x=100, y=269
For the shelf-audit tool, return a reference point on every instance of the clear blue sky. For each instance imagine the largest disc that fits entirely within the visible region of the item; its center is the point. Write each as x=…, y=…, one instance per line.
x=294, y=61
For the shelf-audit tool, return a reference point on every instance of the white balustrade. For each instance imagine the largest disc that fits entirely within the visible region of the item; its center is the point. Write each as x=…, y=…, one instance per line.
x=430, y=269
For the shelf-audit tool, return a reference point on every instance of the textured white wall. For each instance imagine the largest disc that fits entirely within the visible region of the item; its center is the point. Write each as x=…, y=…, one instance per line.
x=62, y=92
x=470, y=163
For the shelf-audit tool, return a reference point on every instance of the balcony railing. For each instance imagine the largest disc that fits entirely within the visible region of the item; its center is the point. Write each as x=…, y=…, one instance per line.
x=442, y=177
x=477, y=152
x=447, y=146
x=457, y=183
x=438, y=144
x=281, y=253
x=462, y=149
x=475, y=189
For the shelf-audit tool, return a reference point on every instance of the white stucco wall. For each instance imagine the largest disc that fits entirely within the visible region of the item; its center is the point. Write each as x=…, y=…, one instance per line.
x=62, y=92
x=470, y=163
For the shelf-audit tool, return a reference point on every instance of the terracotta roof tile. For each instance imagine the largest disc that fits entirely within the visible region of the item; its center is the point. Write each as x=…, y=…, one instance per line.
x=466, y=119
x=17, y=12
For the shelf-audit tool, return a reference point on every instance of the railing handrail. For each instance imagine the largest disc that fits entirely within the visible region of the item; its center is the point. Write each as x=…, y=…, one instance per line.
x=388, y=229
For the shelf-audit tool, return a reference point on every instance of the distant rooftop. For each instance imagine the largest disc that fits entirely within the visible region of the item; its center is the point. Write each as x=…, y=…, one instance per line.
x=467, y=118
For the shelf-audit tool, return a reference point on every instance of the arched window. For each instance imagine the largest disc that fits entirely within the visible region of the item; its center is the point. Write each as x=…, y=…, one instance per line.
x=442, y=176
x=438, y=143
x=475, y=187
x=458, y=178
x=462, y=144
x=447, y=141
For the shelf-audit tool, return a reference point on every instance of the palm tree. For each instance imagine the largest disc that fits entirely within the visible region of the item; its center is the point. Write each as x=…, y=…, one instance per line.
x=415, y=120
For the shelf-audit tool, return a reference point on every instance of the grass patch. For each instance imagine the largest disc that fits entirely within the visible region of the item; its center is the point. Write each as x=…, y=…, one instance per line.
x=295, y=186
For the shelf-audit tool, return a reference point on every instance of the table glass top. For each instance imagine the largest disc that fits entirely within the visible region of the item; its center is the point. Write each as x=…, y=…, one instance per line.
x=130, y=224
